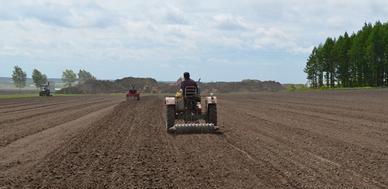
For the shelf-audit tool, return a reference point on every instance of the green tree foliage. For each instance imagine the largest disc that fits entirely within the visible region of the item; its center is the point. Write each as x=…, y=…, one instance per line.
x=312, y=69
x=38, y=78
x=69, y=77
x=84, y=76
x=358, y=60
x=329, y=59
x=342, y=59
x=19, y=77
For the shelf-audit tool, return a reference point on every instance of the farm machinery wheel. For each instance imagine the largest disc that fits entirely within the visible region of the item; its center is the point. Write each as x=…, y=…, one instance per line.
x=170, y=116
x=212, y=114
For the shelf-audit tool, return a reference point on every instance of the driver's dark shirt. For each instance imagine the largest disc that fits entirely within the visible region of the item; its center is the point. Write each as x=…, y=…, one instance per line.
x=188, y=83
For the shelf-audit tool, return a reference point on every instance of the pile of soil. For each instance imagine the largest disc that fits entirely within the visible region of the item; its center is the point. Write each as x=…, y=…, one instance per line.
x=149, y=85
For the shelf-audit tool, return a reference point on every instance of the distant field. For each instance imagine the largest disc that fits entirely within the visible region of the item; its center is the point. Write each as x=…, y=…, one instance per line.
x=30, y=95
x=303, y=88
x=35, y=94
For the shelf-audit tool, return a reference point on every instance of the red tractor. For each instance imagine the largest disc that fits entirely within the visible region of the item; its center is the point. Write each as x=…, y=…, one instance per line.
x=133, y=94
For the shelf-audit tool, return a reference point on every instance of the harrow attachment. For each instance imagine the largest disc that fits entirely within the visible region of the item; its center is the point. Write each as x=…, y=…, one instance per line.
x=187, y=128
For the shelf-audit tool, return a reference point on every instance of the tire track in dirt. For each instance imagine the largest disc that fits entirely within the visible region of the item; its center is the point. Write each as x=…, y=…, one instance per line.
x=130, y=148
x=9, y=118
x=21, y=154
x=27, y=126
x=369, y=133
x=104, y=155
x=266, y=123
x=264, y=143
x=20, y=103
x=349, y=114
x=15, y=109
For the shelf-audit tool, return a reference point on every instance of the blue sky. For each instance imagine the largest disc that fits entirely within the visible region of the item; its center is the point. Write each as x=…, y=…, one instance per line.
x=216, y=40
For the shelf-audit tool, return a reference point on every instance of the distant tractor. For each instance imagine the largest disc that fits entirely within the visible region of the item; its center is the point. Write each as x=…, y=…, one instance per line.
x=48, y=89
x=132, y=94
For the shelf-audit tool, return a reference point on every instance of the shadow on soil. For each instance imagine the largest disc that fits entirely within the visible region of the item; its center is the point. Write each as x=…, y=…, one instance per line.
x=219, y=133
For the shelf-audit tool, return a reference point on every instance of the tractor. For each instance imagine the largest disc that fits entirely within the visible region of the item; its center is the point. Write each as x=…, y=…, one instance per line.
x=132, y=94
x=48, y=89
x=184, y=112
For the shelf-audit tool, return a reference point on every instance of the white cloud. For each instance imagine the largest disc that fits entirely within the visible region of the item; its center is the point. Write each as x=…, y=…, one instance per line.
x=165, y=26
x=175, y=16
x=229, y=22
x=171, y=31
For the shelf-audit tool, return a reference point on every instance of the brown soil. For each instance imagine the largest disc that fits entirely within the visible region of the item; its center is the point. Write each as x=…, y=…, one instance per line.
x=267, y=140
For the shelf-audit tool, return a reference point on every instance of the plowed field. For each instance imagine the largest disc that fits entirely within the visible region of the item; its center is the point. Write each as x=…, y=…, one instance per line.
x=335, y=139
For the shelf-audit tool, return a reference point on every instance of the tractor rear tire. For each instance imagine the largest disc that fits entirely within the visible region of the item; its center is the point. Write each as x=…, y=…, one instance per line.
x=212, y=114
x=170, y=116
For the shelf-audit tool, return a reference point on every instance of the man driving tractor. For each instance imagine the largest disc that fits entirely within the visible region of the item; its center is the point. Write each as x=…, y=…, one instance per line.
x=187, y=82
x=188, y=93
x=186, y=107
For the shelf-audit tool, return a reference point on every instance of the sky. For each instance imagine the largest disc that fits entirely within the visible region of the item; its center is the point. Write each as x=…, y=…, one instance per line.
x=215, y=40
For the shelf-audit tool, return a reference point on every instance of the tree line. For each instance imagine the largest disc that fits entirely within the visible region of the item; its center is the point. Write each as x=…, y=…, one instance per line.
x=69, y=77
x=356, y=60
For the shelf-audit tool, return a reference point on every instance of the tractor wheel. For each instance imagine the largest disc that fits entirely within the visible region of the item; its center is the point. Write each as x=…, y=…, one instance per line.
x=212, y=114
x=170, y=115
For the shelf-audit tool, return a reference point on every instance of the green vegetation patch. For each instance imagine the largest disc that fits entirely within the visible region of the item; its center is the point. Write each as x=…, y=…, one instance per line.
x=32, y=95
x=13, y=96
x=302, y=88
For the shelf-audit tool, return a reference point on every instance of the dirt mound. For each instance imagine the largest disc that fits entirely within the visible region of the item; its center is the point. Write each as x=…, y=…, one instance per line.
x=149, y=85
x=145, y=85
x=242, y=86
